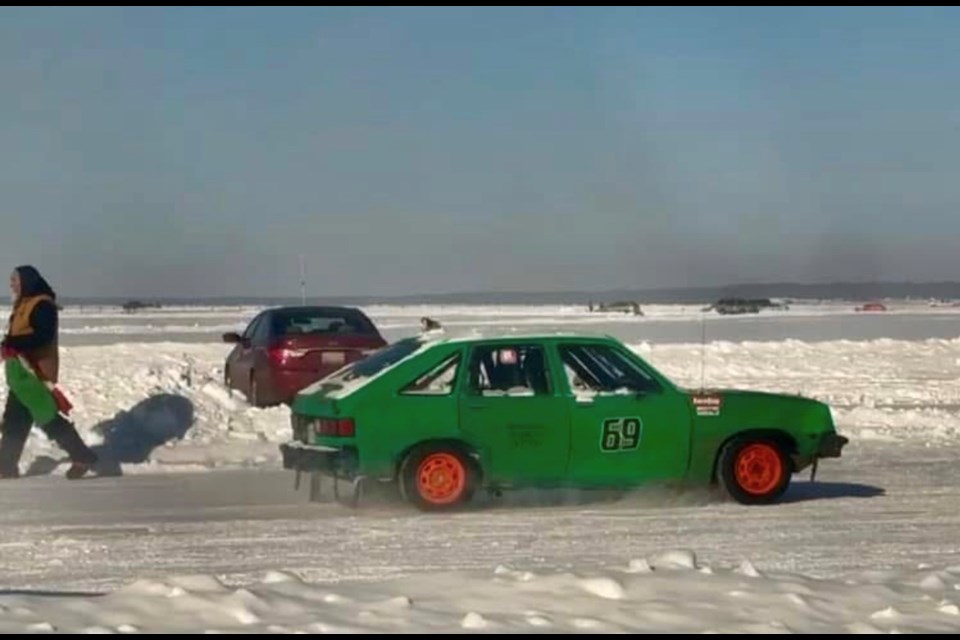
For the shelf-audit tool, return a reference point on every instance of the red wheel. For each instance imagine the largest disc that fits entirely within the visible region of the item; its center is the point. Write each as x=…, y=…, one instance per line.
x=441, y=478
x=758, y=469
x=754, y=470
x=438, y=476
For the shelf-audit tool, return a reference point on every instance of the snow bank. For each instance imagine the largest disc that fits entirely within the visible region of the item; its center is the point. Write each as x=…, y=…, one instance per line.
x=148, y=407
x=666, y=593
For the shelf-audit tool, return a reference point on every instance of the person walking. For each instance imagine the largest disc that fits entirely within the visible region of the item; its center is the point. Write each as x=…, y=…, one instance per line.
x=31, y=362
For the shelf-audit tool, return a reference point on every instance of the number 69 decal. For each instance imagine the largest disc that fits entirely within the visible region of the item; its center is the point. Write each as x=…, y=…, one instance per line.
x=620, y=434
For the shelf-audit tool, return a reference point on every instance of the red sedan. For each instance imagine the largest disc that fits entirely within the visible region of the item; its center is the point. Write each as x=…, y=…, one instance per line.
x=286, y=349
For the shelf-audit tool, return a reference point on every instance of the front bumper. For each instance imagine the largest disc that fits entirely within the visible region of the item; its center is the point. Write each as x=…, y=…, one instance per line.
x=831, y=444
x=341, y=462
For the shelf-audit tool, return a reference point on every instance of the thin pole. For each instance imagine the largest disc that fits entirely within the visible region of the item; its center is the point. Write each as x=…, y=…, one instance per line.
x=303, y=282
x=703, y=349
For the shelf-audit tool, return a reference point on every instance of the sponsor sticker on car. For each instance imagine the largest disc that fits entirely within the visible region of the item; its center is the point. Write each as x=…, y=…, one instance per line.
x=708, y=405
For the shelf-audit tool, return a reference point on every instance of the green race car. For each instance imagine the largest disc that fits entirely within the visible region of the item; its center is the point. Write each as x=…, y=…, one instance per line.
x=443, y=417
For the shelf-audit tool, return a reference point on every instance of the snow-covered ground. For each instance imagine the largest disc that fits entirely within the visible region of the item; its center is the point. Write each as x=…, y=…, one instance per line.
x=872, y=546
x=667, y=593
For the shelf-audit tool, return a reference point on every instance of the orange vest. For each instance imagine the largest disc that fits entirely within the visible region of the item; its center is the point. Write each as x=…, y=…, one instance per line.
x=47, y=358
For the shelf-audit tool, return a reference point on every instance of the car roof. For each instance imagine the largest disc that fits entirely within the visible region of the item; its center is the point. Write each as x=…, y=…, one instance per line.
x=314, y=309
x=478, y=337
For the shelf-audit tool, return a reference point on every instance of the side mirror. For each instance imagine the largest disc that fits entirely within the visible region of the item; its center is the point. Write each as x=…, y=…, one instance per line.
x=232, y=338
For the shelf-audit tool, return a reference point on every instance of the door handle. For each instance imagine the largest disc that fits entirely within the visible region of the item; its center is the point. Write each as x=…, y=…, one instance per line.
x=476, y=407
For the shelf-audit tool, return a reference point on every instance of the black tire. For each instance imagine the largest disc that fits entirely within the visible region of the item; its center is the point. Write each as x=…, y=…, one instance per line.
x=754, y=470
x=455, y=471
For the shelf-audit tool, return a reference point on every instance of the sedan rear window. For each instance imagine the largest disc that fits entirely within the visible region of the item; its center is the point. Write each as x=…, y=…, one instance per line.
x=374, y=364
x=356, y=374
x=314, y=322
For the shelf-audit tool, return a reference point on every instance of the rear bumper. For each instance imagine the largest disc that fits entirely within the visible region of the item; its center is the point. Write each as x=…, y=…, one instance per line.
x=831, y=445
x=298, y=456
x=290, y=382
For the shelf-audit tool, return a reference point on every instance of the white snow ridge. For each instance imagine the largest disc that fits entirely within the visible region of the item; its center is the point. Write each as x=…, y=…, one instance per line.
x=677, y=599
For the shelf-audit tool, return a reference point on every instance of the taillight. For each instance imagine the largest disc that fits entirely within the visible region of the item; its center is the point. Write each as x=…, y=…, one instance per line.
x=282, y=355
x=342, y=428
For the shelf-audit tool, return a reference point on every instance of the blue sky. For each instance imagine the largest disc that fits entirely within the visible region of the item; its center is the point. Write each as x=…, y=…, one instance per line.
x=199, y=151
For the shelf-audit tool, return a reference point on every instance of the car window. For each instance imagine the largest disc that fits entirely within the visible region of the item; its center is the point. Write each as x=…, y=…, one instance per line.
x=438, y=381
x=252, y=327
x=261, y=335
x=377, y=362
x=509, y=370
x=601, y=369
x=291, y=322
x=346, y=380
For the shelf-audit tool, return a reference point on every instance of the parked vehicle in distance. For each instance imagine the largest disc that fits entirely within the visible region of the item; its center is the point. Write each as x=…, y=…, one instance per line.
x=620, y=306
x=286, y=349
x=739, y=306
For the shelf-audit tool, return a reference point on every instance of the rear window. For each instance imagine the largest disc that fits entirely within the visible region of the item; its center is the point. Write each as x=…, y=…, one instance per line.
x=377, y=362
x=356, y=374
x=305, y=322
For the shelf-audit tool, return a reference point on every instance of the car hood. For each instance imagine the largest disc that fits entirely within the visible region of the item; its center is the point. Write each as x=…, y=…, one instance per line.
x=756, y=405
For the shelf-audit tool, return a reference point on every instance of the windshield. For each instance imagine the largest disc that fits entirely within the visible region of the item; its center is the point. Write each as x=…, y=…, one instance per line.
x=600, y=369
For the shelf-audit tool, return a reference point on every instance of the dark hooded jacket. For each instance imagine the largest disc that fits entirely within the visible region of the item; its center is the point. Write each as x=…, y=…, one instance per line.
x=33, y=327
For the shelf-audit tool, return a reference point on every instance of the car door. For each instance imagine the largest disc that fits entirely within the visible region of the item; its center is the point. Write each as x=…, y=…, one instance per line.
x=261, y=374
x=512, y=410
x=626, y=426
x=242, y=358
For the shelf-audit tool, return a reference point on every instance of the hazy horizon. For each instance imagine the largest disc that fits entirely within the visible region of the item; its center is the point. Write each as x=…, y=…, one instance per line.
x=842, y=291
x=199, y=151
